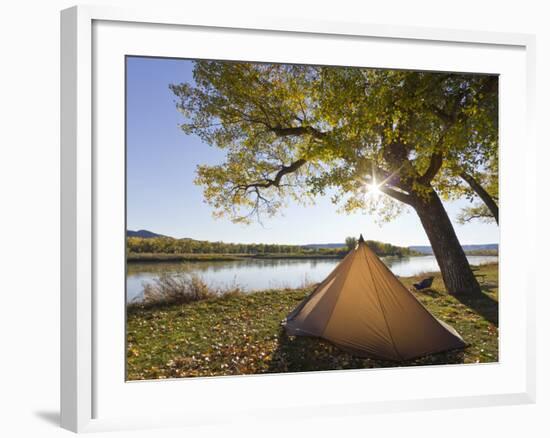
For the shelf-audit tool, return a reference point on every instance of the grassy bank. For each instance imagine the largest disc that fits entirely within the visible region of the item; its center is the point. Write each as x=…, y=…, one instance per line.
x=483, y=252
x=241, y=334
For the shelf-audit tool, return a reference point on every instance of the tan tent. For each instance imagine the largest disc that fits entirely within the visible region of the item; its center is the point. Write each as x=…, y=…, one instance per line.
x=363, y=308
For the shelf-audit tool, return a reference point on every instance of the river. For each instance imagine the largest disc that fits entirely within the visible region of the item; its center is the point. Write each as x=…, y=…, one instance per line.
x=259, y=274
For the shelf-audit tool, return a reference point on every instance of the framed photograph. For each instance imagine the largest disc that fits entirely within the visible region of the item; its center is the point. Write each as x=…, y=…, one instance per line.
x=282, y=218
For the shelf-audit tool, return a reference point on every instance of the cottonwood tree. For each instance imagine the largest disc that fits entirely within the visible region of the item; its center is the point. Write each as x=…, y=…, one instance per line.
x=292, y=132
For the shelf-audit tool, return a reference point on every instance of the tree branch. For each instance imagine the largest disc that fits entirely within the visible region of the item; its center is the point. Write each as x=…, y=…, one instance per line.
x=482, y=193
x=454, y=116
x=468, y=218
x=436, y=161
x=297, y=131
x=490, y=85
x=447, y=118
x=276, y=181
x=400, y=196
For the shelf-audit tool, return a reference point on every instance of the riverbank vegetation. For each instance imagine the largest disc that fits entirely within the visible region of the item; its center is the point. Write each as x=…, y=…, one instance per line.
x=482, y=252
x=168, y=249
x=214, y=334
x=164, y=257
x=182, y=289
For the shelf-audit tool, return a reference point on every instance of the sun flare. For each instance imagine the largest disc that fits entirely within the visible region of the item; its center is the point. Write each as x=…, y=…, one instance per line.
x=373, y=189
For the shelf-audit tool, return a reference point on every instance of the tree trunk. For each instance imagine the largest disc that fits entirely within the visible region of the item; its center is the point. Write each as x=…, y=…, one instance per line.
x=482, y=193
x=455, y=269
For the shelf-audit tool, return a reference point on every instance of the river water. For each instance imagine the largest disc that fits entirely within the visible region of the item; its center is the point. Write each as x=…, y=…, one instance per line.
x=259, y=274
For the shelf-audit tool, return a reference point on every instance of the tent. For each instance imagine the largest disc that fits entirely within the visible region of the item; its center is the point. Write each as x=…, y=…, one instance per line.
x=363, y=308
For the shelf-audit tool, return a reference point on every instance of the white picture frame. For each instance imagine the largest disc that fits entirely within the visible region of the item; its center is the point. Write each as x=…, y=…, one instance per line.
x=92, y=391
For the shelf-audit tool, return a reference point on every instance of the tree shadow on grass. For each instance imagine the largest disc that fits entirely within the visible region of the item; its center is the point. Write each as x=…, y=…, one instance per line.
x=300, y=353
x=482, y=304
x=430, y=292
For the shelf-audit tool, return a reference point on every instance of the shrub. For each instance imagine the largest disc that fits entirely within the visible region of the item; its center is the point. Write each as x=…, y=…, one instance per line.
x=181, y=289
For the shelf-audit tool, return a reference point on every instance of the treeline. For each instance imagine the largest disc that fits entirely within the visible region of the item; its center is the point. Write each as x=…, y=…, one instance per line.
x=387, y=249
x=167, y=245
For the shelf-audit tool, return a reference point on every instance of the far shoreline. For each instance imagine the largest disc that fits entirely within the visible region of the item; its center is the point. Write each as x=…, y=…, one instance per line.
x=176, y=258
x=163, y=257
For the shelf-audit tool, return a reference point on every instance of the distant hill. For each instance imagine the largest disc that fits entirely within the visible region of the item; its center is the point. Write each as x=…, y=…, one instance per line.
x=467, y=248
x=144, y=234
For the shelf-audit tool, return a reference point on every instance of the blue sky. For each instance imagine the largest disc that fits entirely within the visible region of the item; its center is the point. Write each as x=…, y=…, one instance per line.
x=161, y=196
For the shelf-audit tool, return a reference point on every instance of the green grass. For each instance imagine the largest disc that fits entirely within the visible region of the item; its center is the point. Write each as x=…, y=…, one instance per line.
x=241, y=334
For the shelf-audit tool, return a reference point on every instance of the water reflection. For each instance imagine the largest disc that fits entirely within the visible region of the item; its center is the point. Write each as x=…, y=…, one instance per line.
x=259, y=274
